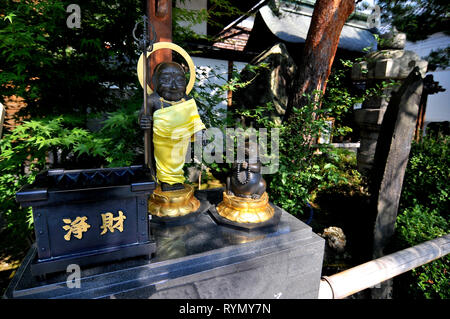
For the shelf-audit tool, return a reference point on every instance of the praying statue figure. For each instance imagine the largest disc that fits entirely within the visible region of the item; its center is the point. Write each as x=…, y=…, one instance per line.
x=175, y=121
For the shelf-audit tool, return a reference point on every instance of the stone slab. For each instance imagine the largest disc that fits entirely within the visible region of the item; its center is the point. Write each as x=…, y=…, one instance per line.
x=391, y=157
x=372, y=117
x=197, y=260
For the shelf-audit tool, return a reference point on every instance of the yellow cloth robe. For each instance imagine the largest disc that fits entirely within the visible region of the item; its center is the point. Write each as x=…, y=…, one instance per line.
x=173, y=128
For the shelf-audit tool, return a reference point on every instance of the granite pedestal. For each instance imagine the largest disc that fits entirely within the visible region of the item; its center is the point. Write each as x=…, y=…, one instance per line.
x=197, y=260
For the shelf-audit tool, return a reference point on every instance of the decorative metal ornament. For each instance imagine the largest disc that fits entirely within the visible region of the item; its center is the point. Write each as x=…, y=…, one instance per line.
x=176, y=48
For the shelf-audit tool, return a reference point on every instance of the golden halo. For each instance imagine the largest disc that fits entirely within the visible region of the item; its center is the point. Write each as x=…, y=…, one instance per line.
x=179, y=50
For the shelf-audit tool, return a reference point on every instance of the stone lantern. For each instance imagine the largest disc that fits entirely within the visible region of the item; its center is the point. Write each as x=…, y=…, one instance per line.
x=389, y=63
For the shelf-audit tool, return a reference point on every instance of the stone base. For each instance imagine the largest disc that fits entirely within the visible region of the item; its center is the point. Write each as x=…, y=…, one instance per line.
x=43, y=268
x=198, y=260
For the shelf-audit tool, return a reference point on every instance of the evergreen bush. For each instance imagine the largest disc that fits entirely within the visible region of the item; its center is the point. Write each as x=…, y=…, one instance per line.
x=424, y=214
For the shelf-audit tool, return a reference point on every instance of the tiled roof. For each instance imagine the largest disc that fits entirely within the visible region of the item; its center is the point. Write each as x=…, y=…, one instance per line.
x=293, y=26
x=234, y=39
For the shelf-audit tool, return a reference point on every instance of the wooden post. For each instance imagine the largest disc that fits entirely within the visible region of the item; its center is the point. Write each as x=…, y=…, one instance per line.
x=2, y=118
x=160, y=15
x=429, y=87
x=230, y=93
x=421, y=116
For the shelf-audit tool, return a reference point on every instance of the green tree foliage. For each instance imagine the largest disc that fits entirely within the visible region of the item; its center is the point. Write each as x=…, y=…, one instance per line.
x=65, y=77
x=424, y=213
x=62, y=70
x=439, y=58
x=24, y=152
x=55, y=141
x=217, y=11
x=341, y=96
x=418, y=18
x=306, y=169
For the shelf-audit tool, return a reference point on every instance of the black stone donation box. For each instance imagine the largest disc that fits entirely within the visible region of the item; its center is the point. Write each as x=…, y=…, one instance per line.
x=89, y=216
x=196, y=260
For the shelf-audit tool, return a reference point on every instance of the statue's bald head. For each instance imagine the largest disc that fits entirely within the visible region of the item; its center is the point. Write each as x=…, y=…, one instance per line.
x=164, y=65
x=169, y=81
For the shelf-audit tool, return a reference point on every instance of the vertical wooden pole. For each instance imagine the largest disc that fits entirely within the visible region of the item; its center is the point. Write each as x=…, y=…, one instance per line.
x=2, y=118
x=230, y=93
x=160, y=15
x=421, y=116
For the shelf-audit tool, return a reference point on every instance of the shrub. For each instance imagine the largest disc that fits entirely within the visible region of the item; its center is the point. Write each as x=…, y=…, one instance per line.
x=24, y=152
x=414, y=226
x=427, y=174
x=307, y=169
x=59, y=70
x=424, y=214
x=304, y=167
x=65, y=142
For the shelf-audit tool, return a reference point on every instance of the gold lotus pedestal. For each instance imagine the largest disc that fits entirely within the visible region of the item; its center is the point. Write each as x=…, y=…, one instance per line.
x=245, y=210
x=172, y=206
x=246, y=213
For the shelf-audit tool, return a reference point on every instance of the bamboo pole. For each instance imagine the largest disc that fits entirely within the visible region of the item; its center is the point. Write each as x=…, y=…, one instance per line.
x=369, y=274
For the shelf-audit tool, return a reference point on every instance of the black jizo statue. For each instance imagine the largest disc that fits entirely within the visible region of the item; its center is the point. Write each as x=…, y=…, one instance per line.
x=246, y=179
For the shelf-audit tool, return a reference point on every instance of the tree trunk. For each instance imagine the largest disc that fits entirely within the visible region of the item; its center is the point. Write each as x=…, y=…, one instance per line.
x=320, y=48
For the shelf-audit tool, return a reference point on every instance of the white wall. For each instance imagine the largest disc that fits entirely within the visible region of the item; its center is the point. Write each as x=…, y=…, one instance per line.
x=435, y=41
x=199, y=28
x=214, y=71
x=438, y=105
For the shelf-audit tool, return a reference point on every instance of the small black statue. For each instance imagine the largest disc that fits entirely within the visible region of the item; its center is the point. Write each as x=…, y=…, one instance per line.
x=246, y=179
